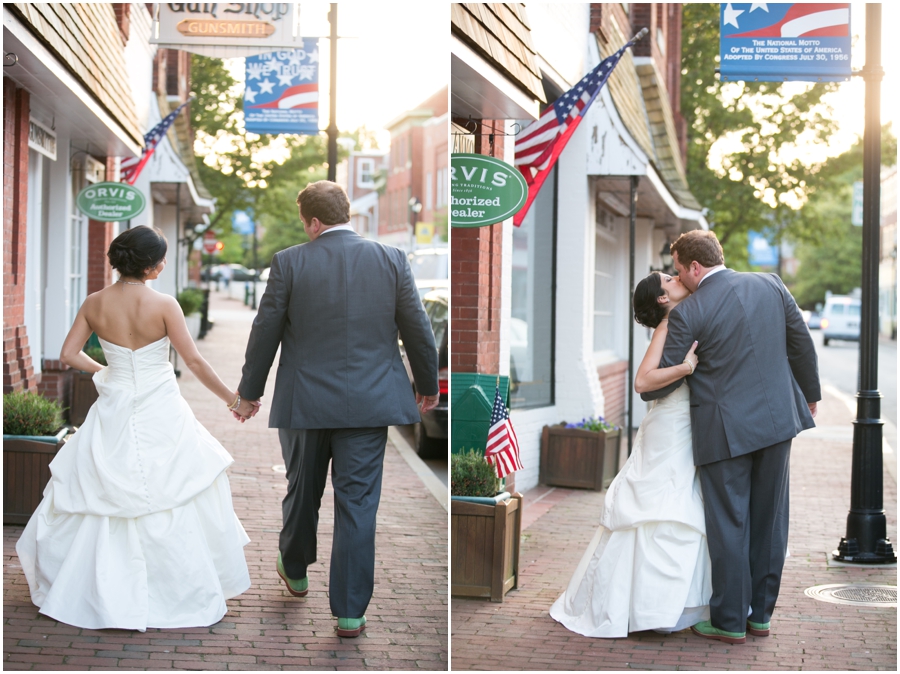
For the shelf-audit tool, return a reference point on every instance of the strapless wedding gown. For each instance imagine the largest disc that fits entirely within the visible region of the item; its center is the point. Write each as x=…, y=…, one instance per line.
x=647, y=567
x=136, y=528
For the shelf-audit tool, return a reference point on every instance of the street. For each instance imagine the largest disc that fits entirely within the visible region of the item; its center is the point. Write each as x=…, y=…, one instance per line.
x=839, y=368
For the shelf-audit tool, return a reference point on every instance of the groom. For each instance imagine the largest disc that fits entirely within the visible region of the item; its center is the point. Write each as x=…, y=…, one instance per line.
x=335, y=306
x=755, y=388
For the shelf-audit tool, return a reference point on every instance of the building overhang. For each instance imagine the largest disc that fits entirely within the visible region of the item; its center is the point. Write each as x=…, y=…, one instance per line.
x=481, y=91
x=58, y=98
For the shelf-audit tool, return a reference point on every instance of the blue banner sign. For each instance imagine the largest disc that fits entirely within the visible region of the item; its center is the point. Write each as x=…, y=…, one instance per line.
x=762, y=253
x=777, y=42
x=281, y=91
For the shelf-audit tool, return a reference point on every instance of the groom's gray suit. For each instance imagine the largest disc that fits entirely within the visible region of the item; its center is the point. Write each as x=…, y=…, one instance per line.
x=749, y=397
x=335, y=305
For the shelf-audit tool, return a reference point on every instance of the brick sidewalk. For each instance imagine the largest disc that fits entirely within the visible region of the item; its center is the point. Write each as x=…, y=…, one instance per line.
x=807, y=634
x=266, y=628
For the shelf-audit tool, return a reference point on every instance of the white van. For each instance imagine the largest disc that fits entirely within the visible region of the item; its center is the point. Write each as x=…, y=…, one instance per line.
x=840, y=318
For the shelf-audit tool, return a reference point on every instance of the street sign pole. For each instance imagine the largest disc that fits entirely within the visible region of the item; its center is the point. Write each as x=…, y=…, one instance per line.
x=332, y=95
x=866, y=541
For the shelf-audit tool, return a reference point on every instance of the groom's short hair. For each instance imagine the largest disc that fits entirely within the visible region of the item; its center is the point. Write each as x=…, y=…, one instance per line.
x=326, y=201
x=700, y=245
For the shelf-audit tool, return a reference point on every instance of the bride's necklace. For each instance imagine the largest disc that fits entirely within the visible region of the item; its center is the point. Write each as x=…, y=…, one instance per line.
x=130, y=283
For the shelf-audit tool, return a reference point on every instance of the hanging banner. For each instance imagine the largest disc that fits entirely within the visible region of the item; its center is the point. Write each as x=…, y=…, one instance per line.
x=281, y=91
x=226, y=29
x=777, y=42
x=111, y=202
x=484, y=190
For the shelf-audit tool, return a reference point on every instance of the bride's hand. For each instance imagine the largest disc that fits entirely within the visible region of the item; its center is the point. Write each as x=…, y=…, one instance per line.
x=692, y=357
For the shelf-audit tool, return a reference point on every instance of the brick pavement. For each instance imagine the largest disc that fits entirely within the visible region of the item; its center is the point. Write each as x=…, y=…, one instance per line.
x=807, y=634
x=266, y=628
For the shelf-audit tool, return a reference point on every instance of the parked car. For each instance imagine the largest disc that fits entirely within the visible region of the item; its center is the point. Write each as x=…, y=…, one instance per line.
x=264, y=274
x=814, y=321
x=431, y=268
x=240, y=273
x=431, y=431
x=840, y=318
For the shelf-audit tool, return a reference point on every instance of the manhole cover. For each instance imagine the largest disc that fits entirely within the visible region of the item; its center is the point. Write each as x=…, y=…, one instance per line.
x=279, y=468
x=856, y=595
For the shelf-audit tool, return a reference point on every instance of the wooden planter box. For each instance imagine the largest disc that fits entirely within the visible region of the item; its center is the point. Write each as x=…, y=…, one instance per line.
x=26, y=472
x=572, y=457
x=484, y=544
x=84, y=394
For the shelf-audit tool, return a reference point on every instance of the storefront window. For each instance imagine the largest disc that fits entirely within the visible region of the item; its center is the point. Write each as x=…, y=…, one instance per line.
x=531, y=325
x=607, y=300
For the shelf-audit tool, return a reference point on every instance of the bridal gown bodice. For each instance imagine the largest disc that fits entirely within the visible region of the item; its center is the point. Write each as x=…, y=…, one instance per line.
x=647, y=566
x=136, y=528
x=141, y=450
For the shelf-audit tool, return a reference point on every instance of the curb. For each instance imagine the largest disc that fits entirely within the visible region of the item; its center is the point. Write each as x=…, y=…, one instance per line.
x=432, y=483
x=889, y=456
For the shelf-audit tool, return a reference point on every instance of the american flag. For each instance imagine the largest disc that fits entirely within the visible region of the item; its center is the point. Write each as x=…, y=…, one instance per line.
x=539, y=145
x=131, y=168
x=502, y=450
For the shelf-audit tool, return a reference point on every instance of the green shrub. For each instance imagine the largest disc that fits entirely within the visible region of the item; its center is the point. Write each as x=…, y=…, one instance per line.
x=190, y=300
x=30, y=414
x=471, y=475
x=96, y=353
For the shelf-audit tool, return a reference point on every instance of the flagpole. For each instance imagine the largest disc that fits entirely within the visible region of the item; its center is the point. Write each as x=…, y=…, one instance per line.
x=332, y=95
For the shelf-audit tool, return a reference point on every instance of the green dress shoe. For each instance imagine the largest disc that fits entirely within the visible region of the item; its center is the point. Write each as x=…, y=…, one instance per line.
x=707, y=631
x=351, y=627
x=298, y=588
x=758, y=629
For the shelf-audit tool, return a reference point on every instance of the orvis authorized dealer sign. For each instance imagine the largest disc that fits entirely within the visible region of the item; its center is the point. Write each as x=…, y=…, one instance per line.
x=484, y=190
x=111, y=202
x=777, y=42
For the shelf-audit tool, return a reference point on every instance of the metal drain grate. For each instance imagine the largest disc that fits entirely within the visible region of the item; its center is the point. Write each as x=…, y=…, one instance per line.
x=856, y=595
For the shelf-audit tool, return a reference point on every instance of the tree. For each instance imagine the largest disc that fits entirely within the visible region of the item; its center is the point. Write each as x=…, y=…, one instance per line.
x=833, y=259
x=745, y=161
x=246, y=171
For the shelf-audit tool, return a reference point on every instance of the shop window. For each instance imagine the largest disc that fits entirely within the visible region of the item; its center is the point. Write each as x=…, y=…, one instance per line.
x=607, y=300
x=532, y=303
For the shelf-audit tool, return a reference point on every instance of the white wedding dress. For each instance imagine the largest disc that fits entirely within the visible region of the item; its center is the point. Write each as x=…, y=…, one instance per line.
x=647, y=567
x=136, y=528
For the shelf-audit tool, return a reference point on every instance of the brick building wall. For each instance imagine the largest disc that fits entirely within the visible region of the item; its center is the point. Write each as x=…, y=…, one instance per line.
x=477, y=279
x=18, y=372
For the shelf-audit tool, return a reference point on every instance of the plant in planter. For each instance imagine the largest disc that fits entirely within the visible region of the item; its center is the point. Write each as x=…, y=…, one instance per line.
x=32, y=435
x=583, y=455
x=191, y=300
x=485, y=530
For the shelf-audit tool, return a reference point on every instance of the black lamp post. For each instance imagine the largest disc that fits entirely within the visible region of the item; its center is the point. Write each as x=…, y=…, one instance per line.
x=866, y=541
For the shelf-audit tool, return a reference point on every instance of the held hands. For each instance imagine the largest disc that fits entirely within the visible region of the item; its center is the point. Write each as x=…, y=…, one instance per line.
x=427, y=403
x=244, y=409
x=691, y=359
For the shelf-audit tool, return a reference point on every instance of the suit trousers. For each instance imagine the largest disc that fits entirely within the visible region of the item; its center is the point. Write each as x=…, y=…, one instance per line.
x=356, y=456
x=746, y=504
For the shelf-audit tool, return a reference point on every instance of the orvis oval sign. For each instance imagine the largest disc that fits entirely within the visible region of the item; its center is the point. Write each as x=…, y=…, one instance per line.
x=484, y=190
x=111, y=202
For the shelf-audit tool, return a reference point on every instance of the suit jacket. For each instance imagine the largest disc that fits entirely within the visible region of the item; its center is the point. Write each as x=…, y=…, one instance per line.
x=758, y=367
x=335, y=305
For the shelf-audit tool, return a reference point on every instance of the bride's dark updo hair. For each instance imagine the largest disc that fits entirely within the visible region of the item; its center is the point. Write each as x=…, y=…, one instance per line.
x=647, y=311
x=137, y=249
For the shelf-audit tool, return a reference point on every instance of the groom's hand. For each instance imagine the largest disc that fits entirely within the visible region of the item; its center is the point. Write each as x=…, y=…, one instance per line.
x=246, y=410
x=427, y=403
x=813, y=408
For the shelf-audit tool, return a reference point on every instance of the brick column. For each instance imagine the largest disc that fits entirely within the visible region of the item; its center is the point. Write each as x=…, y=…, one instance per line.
x=477, y=278
x=18, y=372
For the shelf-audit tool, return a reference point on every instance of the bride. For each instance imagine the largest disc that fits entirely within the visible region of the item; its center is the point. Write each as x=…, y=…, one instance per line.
x=648, y=566
x=136, y=528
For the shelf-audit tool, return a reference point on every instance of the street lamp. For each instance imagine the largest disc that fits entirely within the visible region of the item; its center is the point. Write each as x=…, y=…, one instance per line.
x=866, y=540
x=416, y=207
x=665, y=257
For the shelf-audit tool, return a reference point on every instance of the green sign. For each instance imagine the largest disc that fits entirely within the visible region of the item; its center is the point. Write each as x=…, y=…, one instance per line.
x=484, y=190
x=111, y=202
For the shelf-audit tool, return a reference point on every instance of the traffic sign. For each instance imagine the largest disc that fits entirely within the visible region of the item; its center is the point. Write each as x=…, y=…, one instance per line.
x=209, y=241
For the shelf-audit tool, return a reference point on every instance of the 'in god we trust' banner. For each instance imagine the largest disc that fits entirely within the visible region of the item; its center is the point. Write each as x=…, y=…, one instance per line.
x=281, y=91
x=777, y=42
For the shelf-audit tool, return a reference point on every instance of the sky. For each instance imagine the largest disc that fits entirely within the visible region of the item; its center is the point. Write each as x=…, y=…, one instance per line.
x=391, y=57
